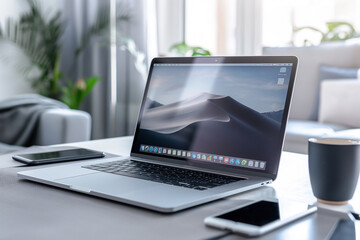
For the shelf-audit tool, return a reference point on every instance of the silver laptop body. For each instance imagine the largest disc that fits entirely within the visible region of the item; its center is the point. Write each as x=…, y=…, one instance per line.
x=222, y=115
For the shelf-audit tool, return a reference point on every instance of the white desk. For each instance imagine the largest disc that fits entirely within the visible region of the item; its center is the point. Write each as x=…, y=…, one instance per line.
x=33, y=211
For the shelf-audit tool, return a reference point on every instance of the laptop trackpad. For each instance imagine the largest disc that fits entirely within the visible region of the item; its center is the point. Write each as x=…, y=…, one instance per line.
x=106, y=183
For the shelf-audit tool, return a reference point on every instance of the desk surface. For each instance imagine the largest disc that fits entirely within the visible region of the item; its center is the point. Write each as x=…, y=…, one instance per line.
x=34, y=211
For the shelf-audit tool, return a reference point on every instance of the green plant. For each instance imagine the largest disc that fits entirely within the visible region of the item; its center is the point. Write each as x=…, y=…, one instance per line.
x=183, y=49
x=336, y=31
x=39, y=38
x=74, y=94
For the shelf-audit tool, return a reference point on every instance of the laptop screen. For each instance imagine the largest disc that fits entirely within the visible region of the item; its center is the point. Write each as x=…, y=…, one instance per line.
x=224, y=113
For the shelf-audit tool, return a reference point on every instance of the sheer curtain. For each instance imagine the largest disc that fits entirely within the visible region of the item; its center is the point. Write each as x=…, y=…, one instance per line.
x=249, y=27
x=96, y=60
x=170, y=24
x=131, y=68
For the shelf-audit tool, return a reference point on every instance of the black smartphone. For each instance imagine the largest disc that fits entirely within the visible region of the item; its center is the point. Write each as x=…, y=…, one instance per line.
x=58, y=156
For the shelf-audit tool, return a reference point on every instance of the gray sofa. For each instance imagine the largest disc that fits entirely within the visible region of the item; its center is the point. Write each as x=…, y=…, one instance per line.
x=323, y=107
x=71, y=126
x=31, y=119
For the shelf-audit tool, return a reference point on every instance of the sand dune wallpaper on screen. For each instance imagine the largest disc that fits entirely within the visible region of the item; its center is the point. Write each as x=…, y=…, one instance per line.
x=232, y=111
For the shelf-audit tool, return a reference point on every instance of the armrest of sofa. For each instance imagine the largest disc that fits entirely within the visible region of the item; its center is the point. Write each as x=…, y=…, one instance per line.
x=340, y=102
x=63, y=126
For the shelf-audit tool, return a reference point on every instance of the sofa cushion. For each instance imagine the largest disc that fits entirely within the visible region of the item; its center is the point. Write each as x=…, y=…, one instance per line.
x=340, y=103
x=329, y=73
x=298, y=133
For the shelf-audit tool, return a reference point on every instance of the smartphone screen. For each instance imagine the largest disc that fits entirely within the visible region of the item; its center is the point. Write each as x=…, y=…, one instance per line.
x=264, y=212
x=58, y=156
x=257, y=214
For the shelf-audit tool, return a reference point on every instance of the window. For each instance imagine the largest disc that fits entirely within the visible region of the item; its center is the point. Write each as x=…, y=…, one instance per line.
x=281, y=17
x=211, y=25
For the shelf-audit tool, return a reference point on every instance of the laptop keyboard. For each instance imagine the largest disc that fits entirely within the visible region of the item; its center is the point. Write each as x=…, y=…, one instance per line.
x=164, y=174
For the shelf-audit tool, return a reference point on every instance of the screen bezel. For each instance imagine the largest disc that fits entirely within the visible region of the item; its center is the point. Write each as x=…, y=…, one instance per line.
x=218, y=60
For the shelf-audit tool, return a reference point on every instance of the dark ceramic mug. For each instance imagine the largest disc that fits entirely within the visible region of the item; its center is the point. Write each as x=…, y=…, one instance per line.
x=334, y=169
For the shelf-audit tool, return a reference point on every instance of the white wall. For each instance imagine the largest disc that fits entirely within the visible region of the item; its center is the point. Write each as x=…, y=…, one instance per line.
x=12, y=81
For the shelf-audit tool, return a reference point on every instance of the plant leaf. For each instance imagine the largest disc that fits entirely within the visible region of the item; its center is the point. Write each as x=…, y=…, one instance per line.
x=184, y=49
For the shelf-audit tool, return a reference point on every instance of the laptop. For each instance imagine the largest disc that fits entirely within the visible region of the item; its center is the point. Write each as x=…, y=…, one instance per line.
x=208, y=128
